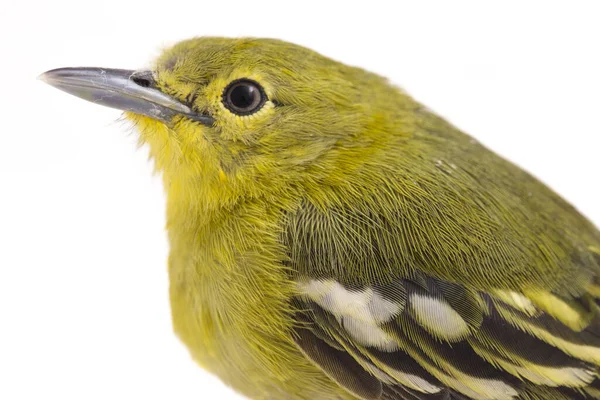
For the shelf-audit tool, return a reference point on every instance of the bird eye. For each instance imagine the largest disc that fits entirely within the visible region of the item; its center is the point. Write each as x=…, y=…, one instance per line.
x=244, y=97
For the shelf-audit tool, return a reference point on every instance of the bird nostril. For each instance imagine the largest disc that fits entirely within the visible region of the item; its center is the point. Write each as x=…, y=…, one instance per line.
x=141, y=82
x=143, y=79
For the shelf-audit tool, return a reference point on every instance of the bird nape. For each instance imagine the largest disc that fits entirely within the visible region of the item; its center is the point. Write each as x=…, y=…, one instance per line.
x=331, y=238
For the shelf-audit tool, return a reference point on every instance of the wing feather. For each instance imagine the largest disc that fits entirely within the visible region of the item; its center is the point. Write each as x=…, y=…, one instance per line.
x=505, y=351
x=391, y=311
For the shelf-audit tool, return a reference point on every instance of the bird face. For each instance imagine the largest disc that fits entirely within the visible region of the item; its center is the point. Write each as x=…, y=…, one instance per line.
x=238, y=111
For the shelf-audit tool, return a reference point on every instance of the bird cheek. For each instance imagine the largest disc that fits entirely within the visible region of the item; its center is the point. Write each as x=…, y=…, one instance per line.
x=246, y=128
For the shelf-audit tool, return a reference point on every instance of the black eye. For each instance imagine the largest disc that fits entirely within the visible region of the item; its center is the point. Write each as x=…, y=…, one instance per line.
x=244, y=97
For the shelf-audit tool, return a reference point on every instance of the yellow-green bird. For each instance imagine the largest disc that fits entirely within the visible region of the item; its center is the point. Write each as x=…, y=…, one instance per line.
x=333, y=239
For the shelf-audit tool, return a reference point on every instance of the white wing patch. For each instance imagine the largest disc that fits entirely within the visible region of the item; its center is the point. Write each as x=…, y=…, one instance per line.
x=482, y=389
x=517, y=301
x=368, y=334
x=438, y=317
x=360, y=312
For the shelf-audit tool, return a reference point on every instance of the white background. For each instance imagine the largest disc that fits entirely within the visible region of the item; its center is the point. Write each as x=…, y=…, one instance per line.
x=83, y=285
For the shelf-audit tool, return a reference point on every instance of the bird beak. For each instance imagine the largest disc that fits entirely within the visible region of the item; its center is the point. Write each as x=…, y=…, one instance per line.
x=133, y=91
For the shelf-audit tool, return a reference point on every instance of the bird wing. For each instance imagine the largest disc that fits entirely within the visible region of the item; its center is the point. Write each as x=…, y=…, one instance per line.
x=385, y=331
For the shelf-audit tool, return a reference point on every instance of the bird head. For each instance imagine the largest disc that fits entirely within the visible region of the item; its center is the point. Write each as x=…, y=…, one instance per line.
x=247, y=116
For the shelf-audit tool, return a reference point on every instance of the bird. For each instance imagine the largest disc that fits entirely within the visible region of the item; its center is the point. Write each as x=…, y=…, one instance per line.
x=331, y=238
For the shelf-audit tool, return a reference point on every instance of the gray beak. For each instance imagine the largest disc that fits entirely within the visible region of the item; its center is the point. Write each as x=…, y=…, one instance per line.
x=133, y=91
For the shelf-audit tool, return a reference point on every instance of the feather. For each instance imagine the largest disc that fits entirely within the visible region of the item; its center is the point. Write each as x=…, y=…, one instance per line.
x=509, y=348
x=339, y=366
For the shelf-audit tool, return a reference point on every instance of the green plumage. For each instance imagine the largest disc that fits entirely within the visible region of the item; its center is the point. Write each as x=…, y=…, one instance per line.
x=343, y=242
